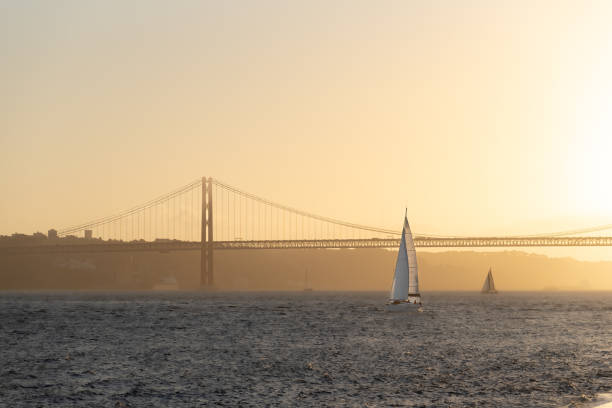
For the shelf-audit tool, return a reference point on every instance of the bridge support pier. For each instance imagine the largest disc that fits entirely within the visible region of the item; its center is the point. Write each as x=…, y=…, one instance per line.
x=206, y=255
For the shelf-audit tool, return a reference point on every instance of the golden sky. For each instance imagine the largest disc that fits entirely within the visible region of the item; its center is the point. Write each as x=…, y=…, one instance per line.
x=481, y=117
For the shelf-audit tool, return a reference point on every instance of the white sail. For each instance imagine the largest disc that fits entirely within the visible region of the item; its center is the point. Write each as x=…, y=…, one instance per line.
x=399, y=289
x=406, y=278
x=413, y=272
x=489, y=285
x=485, y=286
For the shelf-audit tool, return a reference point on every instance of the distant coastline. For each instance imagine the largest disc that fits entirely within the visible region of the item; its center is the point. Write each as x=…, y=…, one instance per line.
x=283, y=270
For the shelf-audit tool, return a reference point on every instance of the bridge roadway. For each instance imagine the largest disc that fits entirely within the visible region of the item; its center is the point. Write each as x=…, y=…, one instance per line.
x=422, y=242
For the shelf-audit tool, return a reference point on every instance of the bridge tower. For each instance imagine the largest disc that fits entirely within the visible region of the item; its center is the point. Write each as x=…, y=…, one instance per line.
x=206, y=256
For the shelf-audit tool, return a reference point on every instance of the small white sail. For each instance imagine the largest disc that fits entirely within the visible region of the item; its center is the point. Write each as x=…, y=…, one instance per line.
x=399, y=289
x=489, y=284
x=485, y=286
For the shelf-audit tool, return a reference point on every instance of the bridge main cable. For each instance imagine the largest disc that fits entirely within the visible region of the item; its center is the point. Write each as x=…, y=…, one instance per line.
x=105, y=220
x=304, y=213
x=198, y=183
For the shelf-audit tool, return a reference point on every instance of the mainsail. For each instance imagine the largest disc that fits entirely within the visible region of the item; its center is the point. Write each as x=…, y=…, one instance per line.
x=489, y=284
x=413, y=273
x=406, y=278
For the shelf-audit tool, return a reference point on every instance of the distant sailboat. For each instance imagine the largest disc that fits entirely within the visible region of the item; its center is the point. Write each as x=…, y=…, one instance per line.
x=405, y=289
x=489, y=285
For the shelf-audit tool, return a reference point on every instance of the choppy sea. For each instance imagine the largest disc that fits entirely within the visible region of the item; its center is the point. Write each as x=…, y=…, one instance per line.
x=189, y=349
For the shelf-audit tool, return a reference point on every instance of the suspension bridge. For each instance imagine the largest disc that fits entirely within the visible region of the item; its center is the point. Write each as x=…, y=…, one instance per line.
x=208, y=215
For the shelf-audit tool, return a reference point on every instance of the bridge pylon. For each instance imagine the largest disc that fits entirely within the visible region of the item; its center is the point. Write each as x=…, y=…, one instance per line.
x=206, y=256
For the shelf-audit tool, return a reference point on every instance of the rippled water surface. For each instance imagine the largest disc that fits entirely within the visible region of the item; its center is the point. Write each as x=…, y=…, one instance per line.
x=303, y=349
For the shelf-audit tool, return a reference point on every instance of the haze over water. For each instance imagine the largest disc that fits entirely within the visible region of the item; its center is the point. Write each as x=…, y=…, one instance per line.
x=303, y=349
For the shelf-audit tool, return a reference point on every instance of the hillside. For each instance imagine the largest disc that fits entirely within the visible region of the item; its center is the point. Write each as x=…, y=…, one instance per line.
x=366, y=269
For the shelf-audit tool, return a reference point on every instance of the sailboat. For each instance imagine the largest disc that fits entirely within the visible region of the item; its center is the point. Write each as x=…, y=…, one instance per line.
x=405, y=294
x=489, y=285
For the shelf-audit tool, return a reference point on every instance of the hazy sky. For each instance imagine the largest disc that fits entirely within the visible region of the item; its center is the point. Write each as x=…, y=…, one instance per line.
x=480, y=116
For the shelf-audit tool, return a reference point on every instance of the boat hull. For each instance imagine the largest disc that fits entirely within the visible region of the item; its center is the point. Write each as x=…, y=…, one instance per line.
x=404, y=307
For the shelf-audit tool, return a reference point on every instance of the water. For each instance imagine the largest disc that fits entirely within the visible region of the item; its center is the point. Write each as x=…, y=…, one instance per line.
x=303, y=349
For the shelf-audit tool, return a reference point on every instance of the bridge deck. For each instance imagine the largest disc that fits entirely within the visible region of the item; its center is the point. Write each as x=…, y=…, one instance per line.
x=423, y=242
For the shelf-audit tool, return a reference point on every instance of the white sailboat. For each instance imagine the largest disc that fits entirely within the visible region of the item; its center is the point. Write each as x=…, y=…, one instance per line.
x=405, y=289
x=489, y=285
